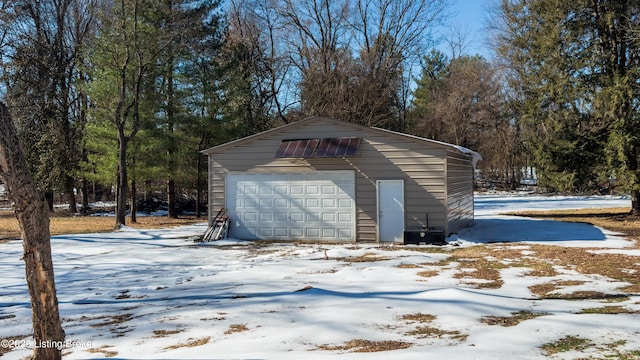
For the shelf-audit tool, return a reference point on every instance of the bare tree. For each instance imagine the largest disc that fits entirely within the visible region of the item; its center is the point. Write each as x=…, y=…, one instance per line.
x=32, y=213
x=255, y=67
x=392, y=36
x=355, y=59
x=458, y=42
x=318, y=30
x=405, y=25
x=42, y=47
x=256, y=25
x=317, y=35
x=461, y=101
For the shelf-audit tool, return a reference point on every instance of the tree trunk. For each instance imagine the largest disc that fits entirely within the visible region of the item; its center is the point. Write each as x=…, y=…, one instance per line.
x=48, y=195
x=134, y=202
x=70, y=188
x=32, y=213
x=631, y=155
x=171, y=118
x=171, y=198
x=85, y=197
x=635, y=202
x=121, y=194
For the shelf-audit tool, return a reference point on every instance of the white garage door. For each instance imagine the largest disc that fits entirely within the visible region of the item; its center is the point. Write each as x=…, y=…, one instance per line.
x=292, y=206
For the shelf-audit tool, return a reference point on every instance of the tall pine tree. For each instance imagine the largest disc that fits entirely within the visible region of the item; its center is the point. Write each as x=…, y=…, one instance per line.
x=576, y=67
x=126, y=50
x=186, y=25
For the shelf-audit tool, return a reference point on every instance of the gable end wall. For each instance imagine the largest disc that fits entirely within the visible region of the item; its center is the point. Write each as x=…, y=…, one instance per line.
x=459, y=191
x=380, y=157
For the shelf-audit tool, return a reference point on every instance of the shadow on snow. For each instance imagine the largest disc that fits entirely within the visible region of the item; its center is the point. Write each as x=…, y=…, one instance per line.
x=516, y=229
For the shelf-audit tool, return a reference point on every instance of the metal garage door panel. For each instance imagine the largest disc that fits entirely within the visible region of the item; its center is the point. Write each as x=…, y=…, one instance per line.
x=292, y=206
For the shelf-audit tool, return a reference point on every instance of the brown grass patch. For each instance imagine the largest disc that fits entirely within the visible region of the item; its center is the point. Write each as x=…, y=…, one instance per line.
x=104, y=351
x=124, y=294
x=424, y=332
x=565, y=344
x=216, y=318
x=63, y=224
x=367, y=346
x=513, y=320
x=419, y=317
x=408, y=266
x=543, y=259
x=165, y=333
x=112, y=319
x=9, y=227
x=620, y=267
x=483, y=269
x=330, y=271
x=428, y=273
x=367, y=257
x=507, y=255
x=546, y=291
x=538, y=268
x=189, y=343
x=609, y=350
x=236, y=328
x=484, y=262
x=616, y=298
x=542, y=290
x=609, y=310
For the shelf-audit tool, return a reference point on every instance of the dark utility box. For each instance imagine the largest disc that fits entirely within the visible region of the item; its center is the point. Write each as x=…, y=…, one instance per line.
x=426, y=237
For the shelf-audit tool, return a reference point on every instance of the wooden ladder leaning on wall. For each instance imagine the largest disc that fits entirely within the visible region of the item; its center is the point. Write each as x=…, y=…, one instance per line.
x=218, y=228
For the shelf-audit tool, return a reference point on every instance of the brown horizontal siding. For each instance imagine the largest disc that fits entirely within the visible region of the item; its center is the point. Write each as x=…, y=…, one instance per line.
x=461, y=211
x=416, y=216
x=395, y=146
x=458, y=187
x=459, y=191
x=428, y=162
x=216, y=188
x=365, y=213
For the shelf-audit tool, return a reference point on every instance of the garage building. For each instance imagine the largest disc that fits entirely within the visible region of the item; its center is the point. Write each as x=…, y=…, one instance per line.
x=322, y=179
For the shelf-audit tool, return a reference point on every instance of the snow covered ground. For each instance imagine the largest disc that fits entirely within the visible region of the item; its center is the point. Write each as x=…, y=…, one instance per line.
x=155, y=294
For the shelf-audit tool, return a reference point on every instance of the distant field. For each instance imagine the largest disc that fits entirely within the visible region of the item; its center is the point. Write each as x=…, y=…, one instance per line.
x=61, y=224
x=615, y=219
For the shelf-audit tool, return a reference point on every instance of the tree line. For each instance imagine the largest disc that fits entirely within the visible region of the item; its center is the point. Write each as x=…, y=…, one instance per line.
x=126, y=93
x=573, y=76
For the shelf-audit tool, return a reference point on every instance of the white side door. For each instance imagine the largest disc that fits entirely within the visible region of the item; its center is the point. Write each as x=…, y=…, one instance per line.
x=390, y=210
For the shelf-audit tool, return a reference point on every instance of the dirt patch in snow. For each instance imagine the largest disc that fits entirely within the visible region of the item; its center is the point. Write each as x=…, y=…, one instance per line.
x=191, y=342
x=104, y=350
x=513, y=320
x=367, y=346
x=165, y=333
